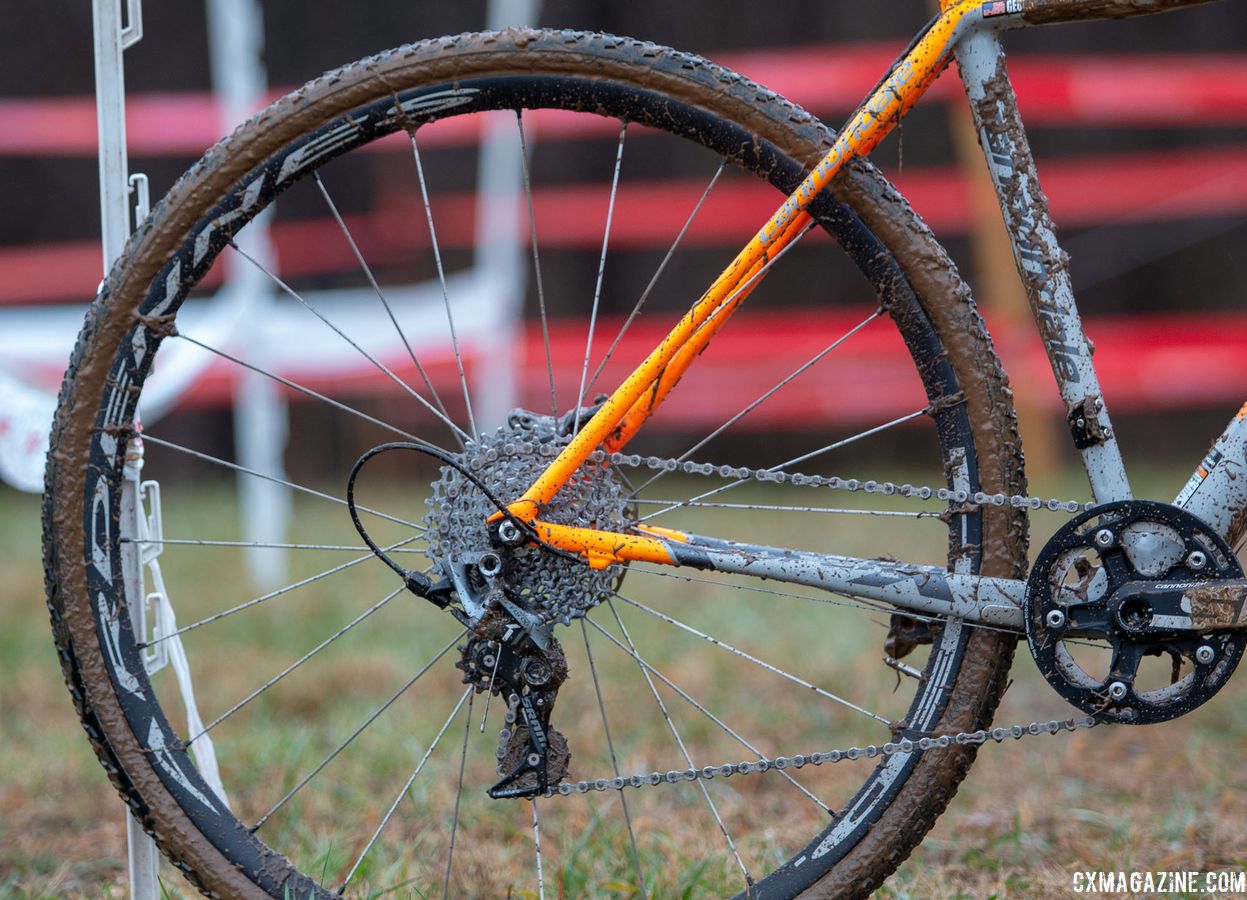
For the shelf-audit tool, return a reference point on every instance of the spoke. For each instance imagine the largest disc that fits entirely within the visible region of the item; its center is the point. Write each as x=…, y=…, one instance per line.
x=767, y=395
x=900, y=420
x=838, y=510
x=675, y=732
x=727, y=729
x=541, y=884
x=263, y=598
x=298, y=662
x=346, y=233
x=216, y=460
x=597, y=288
x=636, y=310
x=357, y=732
x=610, y=743
x=187, y=542
x=753, y=659
x=441, y=277
x=306, y=391
x=729, y=302
x=454, y=822
x=406, y=787
x=541, y=291
x=380, y=366
x=792, y=462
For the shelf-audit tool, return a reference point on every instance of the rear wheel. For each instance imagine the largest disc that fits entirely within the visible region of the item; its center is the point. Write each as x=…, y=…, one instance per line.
x=327, y=715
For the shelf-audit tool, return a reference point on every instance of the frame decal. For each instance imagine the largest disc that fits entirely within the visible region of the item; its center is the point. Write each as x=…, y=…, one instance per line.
x=1001, y=8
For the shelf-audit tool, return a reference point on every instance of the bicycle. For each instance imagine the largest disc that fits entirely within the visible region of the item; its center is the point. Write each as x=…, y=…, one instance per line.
x=535, y=522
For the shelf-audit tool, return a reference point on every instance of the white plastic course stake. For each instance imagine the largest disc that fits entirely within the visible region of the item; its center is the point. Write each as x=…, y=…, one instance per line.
x=112, y=38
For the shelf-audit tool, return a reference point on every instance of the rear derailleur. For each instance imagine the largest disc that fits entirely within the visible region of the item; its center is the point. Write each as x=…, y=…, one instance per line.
x=532, y=756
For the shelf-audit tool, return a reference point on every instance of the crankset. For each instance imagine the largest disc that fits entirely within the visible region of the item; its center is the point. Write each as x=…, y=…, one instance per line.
x=1129, y=580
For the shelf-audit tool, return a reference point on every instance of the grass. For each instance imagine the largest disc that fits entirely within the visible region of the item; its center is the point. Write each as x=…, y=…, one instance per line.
x=1029, y=816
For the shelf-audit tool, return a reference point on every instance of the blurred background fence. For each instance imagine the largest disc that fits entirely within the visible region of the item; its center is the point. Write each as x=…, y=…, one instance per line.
x=1140, y=130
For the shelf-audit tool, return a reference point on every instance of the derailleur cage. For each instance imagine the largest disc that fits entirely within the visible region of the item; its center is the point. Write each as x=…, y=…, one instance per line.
x=532, y=756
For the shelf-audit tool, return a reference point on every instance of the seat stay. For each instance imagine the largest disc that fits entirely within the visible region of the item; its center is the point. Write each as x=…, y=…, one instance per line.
x=968, y=28
x=626, y=409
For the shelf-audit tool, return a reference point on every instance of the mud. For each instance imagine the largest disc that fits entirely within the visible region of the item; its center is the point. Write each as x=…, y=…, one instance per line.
x=946, y=302
x=1218, y=606
x=1027, y=217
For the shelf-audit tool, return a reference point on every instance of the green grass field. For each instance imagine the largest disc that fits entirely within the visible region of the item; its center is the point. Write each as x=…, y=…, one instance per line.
x=1030, y=815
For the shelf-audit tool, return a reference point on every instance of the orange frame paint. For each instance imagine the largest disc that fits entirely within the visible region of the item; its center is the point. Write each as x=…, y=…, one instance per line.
x=632, y=403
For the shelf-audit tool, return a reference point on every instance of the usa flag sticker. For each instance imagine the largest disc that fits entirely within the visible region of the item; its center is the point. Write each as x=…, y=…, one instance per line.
x=1001, y=8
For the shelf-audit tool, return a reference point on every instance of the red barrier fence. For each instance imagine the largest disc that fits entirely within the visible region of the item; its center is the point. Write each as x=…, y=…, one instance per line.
x=1141, y=359
x=1083, y=192
x=1165, y=90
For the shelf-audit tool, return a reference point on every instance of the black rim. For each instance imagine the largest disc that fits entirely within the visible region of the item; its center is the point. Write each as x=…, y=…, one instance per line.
x=196, y=256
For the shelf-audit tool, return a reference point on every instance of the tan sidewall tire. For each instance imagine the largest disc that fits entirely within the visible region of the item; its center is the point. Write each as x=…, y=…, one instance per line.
x=943, y=296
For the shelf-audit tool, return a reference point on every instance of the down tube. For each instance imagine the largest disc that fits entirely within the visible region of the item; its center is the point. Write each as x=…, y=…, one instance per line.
x=1042, y=264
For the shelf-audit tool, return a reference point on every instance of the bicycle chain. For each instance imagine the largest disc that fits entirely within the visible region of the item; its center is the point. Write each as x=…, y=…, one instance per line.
x=888, y=488
x=775, y=475
x=870, y=751
x=504, y=736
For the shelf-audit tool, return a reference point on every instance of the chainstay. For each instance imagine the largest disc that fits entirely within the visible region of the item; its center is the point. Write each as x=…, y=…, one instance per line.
x=870, y=751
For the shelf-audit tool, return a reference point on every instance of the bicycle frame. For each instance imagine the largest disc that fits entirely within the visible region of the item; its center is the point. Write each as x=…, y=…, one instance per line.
x=969, y=30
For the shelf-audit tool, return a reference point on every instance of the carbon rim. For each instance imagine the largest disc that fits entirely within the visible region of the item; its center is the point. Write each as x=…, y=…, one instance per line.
x=346, y=133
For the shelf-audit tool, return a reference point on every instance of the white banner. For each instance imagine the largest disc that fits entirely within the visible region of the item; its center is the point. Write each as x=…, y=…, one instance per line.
x=25, y=421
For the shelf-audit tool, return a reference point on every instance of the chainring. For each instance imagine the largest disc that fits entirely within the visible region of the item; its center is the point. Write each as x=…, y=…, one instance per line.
x=1075, y=611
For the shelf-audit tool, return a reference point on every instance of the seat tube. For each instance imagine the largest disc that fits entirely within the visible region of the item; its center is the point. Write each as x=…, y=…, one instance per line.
x=1042, y=264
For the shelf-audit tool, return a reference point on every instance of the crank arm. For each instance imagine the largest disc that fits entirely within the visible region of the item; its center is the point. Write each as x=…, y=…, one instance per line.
x=1181, y=608
x=1220, y=606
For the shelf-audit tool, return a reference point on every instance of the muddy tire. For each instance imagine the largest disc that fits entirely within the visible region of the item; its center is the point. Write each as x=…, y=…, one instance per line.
x=746, y=124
